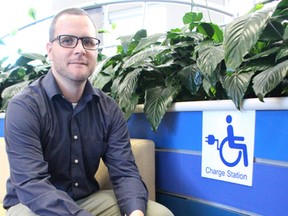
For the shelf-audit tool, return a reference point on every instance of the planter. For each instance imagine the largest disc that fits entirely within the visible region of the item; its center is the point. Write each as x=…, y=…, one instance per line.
x=179, y=143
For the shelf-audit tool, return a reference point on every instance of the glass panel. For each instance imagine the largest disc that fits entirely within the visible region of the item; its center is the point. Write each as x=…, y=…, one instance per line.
x=121, y=19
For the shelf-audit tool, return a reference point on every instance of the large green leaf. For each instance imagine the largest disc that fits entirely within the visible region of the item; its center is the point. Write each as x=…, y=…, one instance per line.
x=102, y=78
x=205, y=29
x=98, y=72
x=270, y=52
x=145, y=42
x=283, y=53
x=236, y=85
x=241, y=34
x=258, y=65
x=191, y=78
x=209, y=57
x=115, y=86
x=101, y=65
x=267, y=80
x=142, y=33
x=142, y=56
x=42, y=69
x=127, y=87
x=274, y=31
x=208, y=88
x=281, y=11
x=192, y=17
x=134, y=41
x=25, y=58
x=130, y=107
x=285, y=36
x=211, y=30
x=157, y=101
x=17, y=74
x=10, y=91
x=218, y=33
x=129, y=42
x=125, y=41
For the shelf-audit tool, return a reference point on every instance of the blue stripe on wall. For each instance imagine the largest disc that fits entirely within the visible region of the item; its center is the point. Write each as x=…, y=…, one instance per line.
x=183, y=131
x=271, y=140
x=181, y=174
x=1, y=127
x=176, y=131
x=185, y=207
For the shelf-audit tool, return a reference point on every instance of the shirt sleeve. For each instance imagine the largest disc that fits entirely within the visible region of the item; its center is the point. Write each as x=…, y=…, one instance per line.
x=28, y=169
x=128, y=186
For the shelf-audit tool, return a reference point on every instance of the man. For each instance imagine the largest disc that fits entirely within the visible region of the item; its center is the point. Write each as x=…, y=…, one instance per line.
x=58, y=128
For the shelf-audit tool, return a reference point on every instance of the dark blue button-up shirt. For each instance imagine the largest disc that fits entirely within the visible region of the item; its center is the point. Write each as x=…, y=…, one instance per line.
x=54, y=150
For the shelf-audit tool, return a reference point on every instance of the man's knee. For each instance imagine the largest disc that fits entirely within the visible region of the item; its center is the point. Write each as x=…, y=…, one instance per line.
x=19, y=210
x=156, y=209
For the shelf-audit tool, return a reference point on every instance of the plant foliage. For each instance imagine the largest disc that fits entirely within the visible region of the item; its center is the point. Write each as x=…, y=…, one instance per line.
x=199, y=61
x=13, y=78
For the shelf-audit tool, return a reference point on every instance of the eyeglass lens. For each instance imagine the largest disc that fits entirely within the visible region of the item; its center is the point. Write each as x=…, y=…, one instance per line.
x=70, y=41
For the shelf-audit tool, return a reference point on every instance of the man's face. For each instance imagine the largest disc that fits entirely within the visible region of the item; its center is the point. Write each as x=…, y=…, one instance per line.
x=75, y=64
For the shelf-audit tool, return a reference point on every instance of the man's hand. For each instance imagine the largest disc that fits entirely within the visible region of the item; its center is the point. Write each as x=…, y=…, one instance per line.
x=137, y=213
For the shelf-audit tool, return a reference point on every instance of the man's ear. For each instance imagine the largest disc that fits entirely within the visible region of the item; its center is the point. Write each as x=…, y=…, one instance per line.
x=49, y=50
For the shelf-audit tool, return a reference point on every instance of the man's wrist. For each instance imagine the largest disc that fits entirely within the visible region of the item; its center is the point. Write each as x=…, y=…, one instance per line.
x=137, y=213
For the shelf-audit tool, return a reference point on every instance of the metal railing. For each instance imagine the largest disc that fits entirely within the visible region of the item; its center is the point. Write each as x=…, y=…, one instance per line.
x=100, y=3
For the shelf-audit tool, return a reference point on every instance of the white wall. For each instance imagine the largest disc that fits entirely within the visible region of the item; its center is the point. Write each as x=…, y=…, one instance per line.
x=62, y=4
x=158, y=18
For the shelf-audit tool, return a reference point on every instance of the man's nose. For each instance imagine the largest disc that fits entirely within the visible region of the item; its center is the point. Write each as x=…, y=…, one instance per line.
x=79, y=46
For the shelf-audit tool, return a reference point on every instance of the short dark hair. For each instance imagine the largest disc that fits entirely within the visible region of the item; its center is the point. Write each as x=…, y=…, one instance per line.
x=69, y=11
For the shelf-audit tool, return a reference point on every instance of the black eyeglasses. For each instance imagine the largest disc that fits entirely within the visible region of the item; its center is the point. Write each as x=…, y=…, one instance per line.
x=71, y=41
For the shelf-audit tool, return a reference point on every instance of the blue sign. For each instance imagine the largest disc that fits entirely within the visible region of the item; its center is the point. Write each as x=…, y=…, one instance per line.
x=228, y=146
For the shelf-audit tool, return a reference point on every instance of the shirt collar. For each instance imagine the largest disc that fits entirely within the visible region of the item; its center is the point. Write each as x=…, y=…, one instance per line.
x=52, y=89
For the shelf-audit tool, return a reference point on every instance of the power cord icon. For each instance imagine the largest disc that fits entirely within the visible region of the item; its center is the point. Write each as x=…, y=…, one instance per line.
x=233, y=144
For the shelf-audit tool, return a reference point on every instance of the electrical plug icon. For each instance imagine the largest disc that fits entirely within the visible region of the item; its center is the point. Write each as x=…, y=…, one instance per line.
x=210, y=139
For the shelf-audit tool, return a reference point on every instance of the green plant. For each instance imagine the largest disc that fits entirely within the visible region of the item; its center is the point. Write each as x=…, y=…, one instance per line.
x=13, y=78
x=199, y=62
x=196, y=62
x=28, y=67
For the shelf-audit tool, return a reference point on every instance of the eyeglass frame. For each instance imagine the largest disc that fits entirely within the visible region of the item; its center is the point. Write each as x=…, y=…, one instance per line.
x=78, y=38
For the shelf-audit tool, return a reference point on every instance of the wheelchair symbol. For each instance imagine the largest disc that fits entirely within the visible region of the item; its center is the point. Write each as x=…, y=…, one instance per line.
x=232, y=143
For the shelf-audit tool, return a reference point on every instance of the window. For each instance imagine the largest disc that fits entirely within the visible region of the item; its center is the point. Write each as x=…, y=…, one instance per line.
x=120, y=18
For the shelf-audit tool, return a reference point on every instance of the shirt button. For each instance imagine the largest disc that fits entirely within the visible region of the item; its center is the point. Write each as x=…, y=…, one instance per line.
x=76, y=161
x=76, y=184
x=75, y=137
